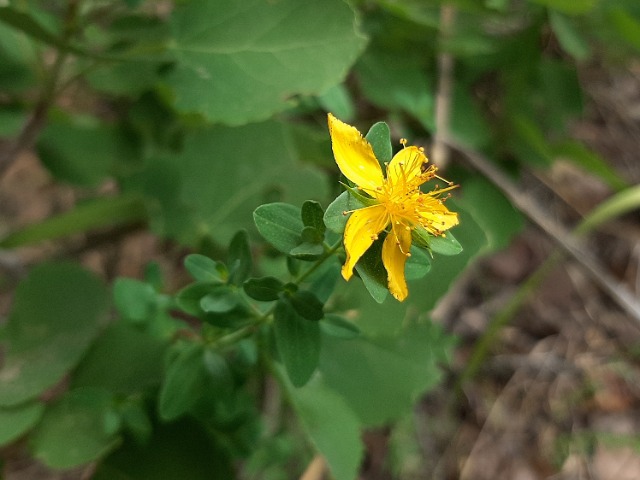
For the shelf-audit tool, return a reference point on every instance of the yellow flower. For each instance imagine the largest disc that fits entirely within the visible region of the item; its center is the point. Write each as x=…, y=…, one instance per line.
x=397, y=200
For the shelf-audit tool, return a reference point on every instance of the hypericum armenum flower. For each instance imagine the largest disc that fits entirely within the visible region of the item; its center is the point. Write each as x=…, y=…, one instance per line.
x=398, y=206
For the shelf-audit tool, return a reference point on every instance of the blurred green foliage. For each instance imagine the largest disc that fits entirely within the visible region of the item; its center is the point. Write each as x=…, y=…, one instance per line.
x=201, y=111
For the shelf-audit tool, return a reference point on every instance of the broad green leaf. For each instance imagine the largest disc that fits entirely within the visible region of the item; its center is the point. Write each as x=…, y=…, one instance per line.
x=57, y=311
x=570, y=7
x=72, y=431
x=381, y=378
x=63, y=146
x=203, y=269
x=16, y=421
x=135, y=300
x=307, y=305
x=221, y=299
x=123, y=360
x=570, y=38
x=240, y=262
x=265, y=289
x=313, y=235
x=333, y=428
x=189, y=297
x=335, y=218
x=280, y=225
x=307, y=251
x=445, y=244
x=372, y=272
x=312, y=216
x=337, y=326
x=298, y=342
x=240, y=62
x=379, y=136
x=183, y=384
x=324, y=280
x=418, y=264
x=211, y=188
x=176, y=451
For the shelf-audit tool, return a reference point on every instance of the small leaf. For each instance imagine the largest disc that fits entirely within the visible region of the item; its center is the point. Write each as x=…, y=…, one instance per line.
x=135, y=300
x=240, y=262
x=339, y=327
x=312, y=235
x=221, y=299
x=379, y=136
x=265, y=289
x=307, y=305
x=312, y=216
x=203, y=269
x=307, y=251
x=280, y=225
x=183, y=382
x=418, y=264
x=298, y=342
x=188, y=299
x=217, y=368
x=16, y=421
x=569, y=37
x=335, y=218
x=445, y=244
x=373, y=273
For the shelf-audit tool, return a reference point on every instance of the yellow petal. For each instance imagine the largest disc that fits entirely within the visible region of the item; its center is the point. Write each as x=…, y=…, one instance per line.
x=362, y=229
x=435, y=216
x=406, y=166
x=394, y=256
x=354, y=155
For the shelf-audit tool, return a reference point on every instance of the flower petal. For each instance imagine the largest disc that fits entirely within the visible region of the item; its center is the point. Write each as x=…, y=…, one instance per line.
x=405, y=168
x=354, y=155
x=362, y=229
x=394, y=255
x=434, y=216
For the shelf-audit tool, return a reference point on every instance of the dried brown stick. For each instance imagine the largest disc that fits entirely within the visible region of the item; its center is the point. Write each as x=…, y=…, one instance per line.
x=563, y=237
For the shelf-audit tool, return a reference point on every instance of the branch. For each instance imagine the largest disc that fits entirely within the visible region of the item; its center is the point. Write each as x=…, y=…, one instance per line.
x=565, y=239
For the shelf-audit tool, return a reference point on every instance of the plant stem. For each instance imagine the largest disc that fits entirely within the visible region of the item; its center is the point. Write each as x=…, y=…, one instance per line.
x=329, y=251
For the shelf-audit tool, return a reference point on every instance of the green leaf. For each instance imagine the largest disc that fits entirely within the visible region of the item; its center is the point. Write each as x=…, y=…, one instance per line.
x=72, y=431
x=123, y=360
x=298, y=342
x=307, y=305
x=243, y=65
x=203, y=269
x=335, y=218
x=183, y=383
x=16, y=421
x=307, y=251
x=221, y=299
x=619, y=204
x=381, y=378
x=57, y=312
x=379, y=136
x=265, y=289
x=570, y=38
x=445, y=244
x=177, y=451
x=63, y=146
x=625, y=25
x=312, y=235
x=372, y=272
x=333, y=428
x=312, y=216
x=135, y=300
x=418, y=264
x=337, y=326
x=240, y=262
x=280, y=225
x=189, y=297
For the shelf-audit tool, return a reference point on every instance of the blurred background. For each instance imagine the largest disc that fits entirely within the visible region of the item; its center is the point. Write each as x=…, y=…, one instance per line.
x=133, y=132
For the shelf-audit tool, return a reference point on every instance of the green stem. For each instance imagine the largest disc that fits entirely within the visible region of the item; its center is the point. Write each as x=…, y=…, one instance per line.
x=329, y=251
